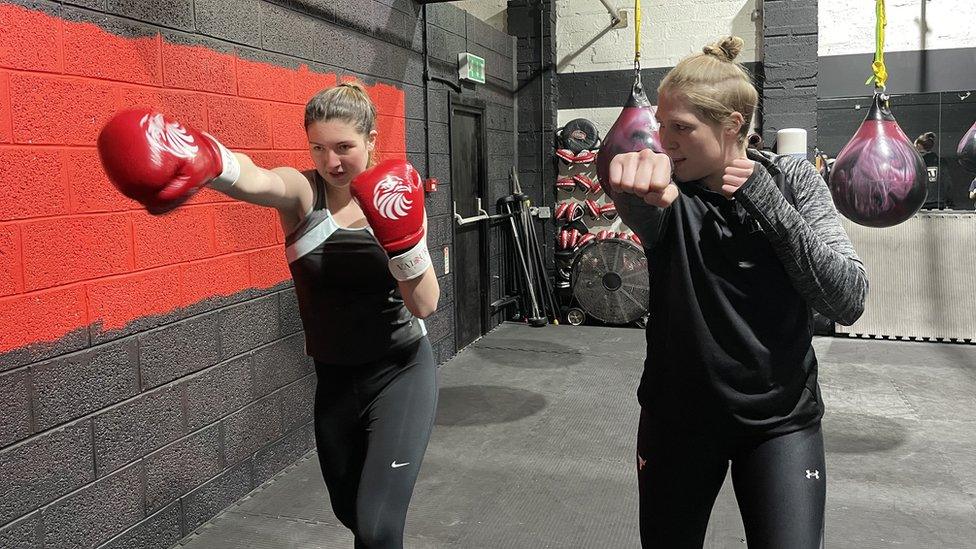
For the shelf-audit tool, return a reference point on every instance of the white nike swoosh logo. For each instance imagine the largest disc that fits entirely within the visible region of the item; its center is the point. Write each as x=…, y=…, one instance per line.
x=396, y=465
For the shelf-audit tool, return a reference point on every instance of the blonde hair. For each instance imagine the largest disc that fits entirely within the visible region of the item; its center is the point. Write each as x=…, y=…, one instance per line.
x=347, y=102
x=715, y=84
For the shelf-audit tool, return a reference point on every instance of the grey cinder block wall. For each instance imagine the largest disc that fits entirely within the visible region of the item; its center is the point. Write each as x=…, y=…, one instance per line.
x=787, y=79
x=133, y=436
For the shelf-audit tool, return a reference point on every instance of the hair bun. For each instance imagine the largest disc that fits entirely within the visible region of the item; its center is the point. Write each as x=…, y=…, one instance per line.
x=726, y=49
x=353, y=85
x=926, y=140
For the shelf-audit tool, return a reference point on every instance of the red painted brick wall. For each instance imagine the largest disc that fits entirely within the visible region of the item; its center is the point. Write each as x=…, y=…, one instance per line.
x=76, y=253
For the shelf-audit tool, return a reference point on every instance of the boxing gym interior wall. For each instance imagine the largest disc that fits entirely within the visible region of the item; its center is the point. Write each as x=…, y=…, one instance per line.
x=810, y=60
x=930, y=53
x=596, y=62
x=928, y=46
x=152, y=369
x=493, y=12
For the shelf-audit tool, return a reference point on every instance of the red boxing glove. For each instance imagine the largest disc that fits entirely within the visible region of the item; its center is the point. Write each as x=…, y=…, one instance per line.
x=584, y=157
x=566, y=156
x=575, y=212
x=567, y=243
x=561, y=210
x=584, y=183
x=566, y=184
x=391, y=196
x=595, y=186
x=161, y=163
x=592, y=208
x=569, y=211
x=566, y=239
x=574, y=235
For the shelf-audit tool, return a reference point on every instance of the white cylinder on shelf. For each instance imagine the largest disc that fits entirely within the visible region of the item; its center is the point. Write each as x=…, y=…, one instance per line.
x=792, y=141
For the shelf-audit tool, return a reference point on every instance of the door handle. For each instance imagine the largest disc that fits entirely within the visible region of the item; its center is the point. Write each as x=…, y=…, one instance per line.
x=482, y=214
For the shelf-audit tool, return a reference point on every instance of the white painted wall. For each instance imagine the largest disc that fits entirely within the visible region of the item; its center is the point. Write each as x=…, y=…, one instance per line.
x=493, y=12
x=671, y=30
x=849, y=27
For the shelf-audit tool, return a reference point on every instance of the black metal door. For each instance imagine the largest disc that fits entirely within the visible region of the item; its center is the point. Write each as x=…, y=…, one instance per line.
x=468, y=175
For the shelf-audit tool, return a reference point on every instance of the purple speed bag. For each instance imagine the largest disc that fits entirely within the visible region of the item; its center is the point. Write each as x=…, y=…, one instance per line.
x=878, y=179
x=967, y=149
x=634, y=130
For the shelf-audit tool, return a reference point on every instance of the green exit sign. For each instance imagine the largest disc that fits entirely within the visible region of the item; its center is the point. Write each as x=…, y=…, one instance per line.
x=471, y=67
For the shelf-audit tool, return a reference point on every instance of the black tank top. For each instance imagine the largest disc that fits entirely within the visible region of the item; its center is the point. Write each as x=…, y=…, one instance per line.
x=349, y=302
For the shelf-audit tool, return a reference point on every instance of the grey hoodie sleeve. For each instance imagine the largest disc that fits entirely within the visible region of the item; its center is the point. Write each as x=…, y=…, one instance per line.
x=809, y=239
x=647, y=222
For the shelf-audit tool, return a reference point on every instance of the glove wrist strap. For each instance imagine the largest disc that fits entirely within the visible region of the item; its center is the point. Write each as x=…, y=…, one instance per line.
x=411, y=263
x=231, y=169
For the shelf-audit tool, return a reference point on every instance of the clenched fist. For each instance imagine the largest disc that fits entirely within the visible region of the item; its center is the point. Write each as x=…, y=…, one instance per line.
x=646, y=174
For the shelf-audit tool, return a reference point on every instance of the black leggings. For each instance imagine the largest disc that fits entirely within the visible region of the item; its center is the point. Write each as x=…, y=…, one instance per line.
x=780, y=485
x=372, y=424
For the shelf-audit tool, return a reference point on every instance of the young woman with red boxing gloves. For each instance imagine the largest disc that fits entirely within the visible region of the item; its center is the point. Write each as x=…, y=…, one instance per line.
x=357, y=252
x=741, y=246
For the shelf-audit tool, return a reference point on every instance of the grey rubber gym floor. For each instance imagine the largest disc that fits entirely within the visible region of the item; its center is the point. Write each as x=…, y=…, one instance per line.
x=534, y=447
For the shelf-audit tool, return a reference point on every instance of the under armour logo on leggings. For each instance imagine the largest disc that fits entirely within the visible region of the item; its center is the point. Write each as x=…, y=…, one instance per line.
x=641, y=462
x=813, y=474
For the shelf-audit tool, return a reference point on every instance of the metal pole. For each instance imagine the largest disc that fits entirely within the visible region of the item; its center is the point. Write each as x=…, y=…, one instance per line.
x=614, y=14
x=534, y=317
x=541, y=267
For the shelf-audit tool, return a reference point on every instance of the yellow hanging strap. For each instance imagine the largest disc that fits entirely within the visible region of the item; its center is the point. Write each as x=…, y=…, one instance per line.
x=880, y=76
x=637, y=30
x=638, y=85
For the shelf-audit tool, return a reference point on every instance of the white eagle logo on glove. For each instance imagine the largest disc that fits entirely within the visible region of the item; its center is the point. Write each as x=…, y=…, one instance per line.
x=390, y=199
x=166, y=136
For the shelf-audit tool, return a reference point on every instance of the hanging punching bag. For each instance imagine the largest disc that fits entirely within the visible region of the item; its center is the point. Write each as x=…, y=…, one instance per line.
x=967, y=149
x=634, y=130
x=878, y=179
